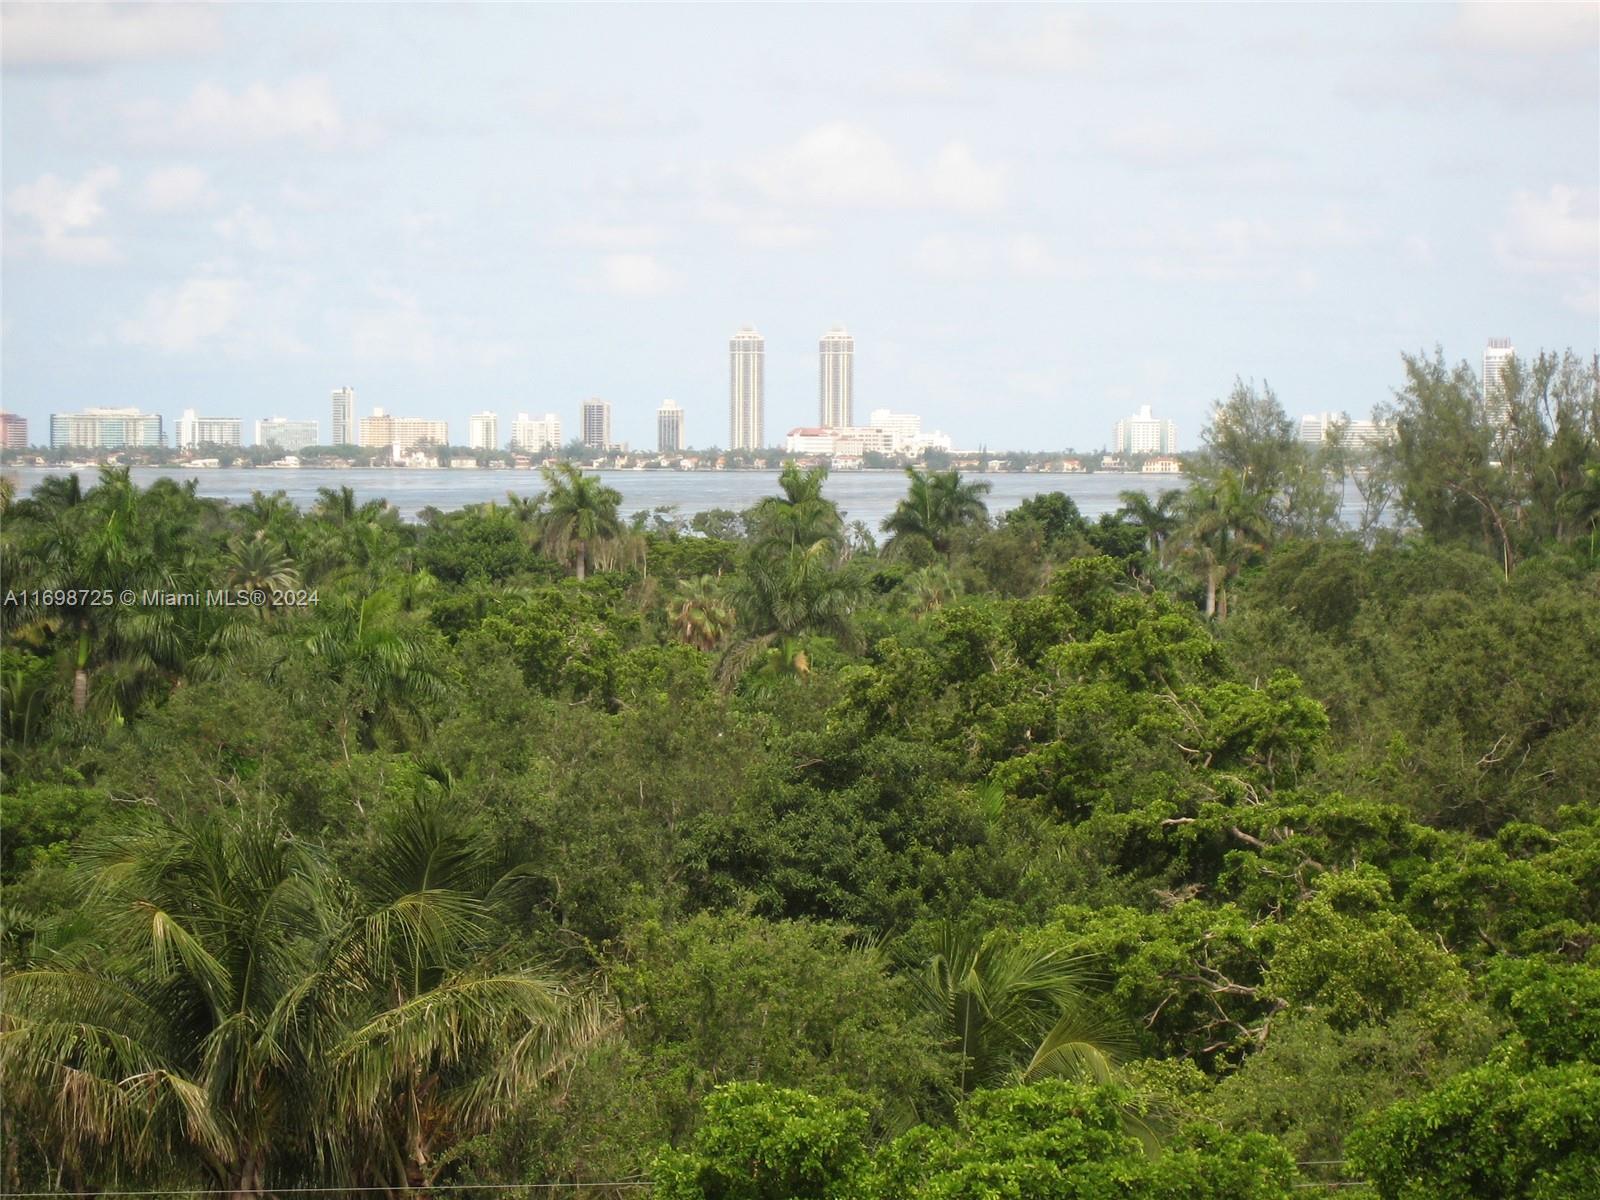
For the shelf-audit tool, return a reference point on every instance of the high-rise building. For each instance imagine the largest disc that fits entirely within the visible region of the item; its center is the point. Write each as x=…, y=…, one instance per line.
x=343, y=432
x=669, y=427
x=13, y=431
x=1496, y=407
x=1317, y=428
x=483, y=431
x=403, y=433
x=535, y=436
x=283, y=434
x=905, y=429
x=193, y=431
x=106, y=429
x=597, y=424
x=1314, y=427
x=838, y=350
x=1144, y=434
x=747, y=390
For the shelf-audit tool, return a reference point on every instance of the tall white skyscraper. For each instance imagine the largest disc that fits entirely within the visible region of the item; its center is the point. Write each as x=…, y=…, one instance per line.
x=343, y=431
x=747, y=352
x=536, y=435
x=838, y=378
x=596, y=424
x=1144, y=434
x=483, y=431
x=1496, y=354
x=669, y=427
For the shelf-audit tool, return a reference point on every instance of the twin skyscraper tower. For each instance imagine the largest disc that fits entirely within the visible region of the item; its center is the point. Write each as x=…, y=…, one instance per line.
x=747, y=385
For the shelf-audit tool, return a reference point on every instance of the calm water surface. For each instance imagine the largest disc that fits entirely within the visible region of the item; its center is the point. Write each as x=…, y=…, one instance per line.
x=866, y=496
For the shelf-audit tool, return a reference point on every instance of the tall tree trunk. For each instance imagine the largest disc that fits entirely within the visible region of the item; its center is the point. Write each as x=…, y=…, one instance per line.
x=247, y=1182
x=583, y=560
x=1211, y=592
x=80, y=677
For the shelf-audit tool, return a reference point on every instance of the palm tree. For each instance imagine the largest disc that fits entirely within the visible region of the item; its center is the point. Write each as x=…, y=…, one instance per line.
x=1224, y=526
x=936, y=505
x=437, y=1037
x=1159, y=518
x=800, y=517
x=50, y=496
x=794, y=580
x=1012, y=1013
x=90, y=546
x=931, y=587
x=160, y=1050
x=579, y=524
x=255, y=1021
x=781, y=598
x=257, y=564
x=337, y=506
x=700, y=615
x=263, y=512
x=381, y=656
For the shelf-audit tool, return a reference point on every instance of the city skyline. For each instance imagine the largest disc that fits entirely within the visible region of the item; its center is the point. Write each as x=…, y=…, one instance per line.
x=887, y=431
x=1034, y=217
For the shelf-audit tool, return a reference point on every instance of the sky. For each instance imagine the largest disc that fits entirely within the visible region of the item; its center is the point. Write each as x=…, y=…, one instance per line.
x=1033, y=219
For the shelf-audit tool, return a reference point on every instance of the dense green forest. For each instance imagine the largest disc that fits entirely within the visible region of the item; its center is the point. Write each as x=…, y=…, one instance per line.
x=1207, y=849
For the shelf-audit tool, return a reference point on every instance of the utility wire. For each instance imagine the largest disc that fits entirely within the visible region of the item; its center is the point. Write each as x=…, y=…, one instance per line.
x=327, y=1191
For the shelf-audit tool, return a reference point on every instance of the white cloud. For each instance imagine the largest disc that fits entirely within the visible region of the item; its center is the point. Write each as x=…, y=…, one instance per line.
x=1246, y=248
x=1061, y=42
x=593, y=235
x=1229, y=158
x=248, y=227
x=966, y=256
x=183, y=318
x=1419, y=250
x=778, y=235
x=953, y=256
x=177, y=190
x=1158, y=143
x=303, y=111
x=916, y=84
x=762, y=227
x=845, y=165
x=1032, y=257
x=629, y=275
x=1526, y=28
x=960, y=182
x=62, y=212
x=393, y=329
x=76, y=35
x=610, y=116
x=1556, y=234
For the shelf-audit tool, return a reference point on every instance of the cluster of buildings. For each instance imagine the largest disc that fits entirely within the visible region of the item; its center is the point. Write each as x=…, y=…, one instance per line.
x=836, y=433
x=1317, y=428
x=886, y=432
